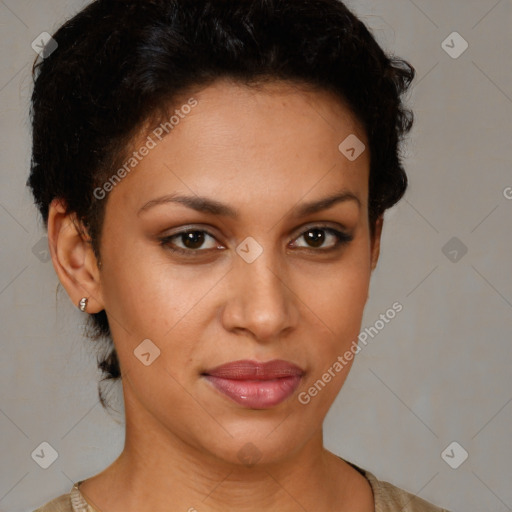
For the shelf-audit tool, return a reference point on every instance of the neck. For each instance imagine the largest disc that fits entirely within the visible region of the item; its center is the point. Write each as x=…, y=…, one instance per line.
x=158, y=470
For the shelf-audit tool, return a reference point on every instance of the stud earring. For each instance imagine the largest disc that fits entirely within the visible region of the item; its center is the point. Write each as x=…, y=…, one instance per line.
x=83, y=304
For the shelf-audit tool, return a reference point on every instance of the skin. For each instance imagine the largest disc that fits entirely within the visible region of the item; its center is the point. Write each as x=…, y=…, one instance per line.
x=262, y=151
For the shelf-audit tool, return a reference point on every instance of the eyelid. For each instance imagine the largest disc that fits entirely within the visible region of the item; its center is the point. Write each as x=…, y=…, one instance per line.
x=190, y=228
x=165, y=240
x=342, y=235
x=320, y=225
x=340, y=232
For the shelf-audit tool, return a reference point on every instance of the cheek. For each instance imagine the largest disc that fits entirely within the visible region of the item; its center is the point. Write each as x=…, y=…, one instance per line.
x=340, y=292
x=341, y=311
x=134, y=288
x=337, y=297
x=347, y=301
x=149, y=296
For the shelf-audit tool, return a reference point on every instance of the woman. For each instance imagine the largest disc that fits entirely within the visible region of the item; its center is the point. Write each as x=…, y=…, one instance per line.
x=213, y=177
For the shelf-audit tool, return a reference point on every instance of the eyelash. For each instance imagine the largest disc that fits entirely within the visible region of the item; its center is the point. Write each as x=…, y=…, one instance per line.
x=342, y=239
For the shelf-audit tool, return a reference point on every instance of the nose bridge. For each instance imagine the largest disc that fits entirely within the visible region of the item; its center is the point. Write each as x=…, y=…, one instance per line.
x=261, y=300
x=263, y=280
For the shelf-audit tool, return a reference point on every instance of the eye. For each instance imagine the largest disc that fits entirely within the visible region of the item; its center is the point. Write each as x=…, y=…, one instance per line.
x=316, y=236
x=192, y=241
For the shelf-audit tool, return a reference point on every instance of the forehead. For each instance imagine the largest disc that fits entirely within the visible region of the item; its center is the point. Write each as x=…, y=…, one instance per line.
x=265, y=109
x=239, y=142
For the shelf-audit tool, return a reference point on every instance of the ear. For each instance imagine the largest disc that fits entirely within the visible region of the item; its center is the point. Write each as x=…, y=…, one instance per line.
x=73, y=257
x=375, y=241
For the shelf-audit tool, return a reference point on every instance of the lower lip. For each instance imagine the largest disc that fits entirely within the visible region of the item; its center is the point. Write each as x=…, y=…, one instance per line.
x=256, y=394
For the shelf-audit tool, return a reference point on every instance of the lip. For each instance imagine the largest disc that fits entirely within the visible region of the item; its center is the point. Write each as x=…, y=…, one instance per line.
x=256, y=385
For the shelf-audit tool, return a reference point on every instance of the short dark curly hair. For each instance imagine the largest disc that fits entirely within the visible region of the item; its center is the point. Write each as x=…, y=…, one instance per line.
x=122, y=64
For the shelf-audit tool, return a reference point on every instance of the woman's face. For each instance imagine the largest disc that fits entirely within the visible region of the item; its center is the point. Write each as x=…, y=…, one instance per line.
x=259, y=277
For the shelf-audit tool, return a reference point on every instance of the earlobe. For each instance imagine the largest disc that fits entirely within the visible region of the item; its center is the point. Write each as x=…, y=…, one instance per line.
x=73, y=257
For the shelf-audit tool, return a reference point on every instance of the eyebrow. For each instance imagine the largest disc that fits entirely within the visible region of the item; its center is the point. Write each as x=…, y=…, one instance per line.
x=207, y=205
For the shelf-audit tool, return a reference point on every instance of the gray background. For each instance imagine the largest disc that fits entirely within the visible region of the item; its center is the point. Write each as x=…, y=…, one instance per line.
x=439, y=372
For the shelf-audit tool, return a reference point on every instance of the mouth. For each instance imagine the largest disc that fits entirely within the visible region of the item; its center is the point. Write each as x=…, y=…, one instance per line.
x=256, y=385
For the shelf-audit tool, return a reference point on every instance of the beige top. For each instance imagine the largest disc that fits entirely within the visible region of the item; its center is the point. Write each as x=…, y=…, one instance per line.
x=388, y=498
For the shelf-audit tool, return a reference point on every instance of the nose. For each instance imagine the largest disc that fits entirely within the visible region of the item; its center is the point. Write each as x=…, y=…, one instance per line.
x=261, y=300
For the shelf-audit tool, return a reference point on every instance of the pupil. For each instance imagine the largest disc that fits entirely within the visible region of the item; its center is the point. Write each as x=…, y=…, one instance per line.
x=315, y=236
x=193, y=240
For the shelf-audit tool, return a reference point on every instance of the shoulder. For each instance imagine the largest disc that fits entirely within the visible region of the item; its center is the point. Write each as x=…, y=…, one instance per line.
x=389, y=498
x=70, y=502
x=59, y=504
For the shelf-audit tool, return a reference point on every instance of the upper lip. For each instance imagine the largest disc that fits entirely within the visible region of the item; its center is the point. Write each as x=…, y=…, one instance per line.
x=254, y=370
